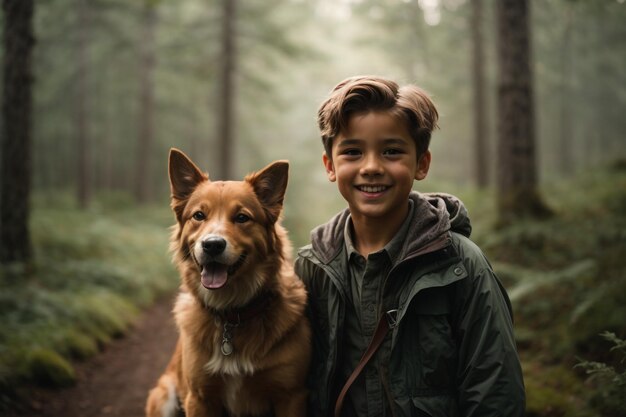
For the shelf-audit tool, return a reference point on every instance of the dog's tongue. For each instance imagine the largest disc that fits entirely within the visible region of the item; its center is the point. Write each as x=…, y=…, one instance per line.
x=214, y=276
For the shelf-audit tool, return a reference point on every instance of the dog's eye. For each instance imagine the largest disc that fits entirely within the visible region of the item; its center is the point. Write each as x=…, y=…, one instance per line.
x=198, y=215
x=242, y=218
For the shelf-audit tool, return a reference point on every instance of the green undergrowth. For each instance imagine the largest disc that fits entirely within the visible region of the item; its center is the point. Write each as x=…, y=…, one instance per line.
x=566, y=277
x=93, y=271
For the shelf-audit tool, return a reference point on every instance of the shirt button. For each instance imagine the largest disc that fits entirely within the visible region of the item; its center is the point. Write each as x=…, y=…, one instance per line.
x=370, y=307
x=458, y=271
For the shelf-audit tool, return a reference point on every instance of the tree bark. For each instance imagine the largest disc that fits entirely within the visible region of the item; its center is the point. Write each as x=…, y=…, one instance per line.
x=226, y=97
x=15, y=179
x=143, y=182
x=481, y=137
x=84, y=189
x=565, y=143
x=517, y=182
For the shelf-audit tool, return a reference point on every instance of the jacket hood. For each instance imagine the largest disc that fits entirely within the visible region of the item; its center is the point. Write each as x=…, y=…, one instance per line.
x=434, y=215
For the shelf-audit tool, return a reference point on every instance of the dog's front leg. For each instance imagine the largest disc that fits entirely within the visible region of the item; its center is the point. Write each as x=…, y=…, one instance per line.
x=200, y=406
x=292, y=405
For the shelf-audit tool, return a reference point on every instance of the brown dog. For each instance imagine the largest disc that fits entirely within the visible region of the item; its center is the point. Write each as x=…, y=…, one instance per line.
x=244, y=344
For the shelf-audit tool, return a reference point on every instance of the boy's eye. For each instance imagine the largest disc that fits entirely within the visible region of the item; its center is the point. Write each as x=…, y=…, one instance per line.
x=392, y=152
x=242, y=218
x=351, y=152
x=199, y=216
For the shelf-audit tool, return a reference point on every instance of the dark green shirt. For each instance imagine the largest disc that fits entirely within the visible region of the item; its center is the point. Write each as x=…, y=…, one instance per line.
x=366, y=396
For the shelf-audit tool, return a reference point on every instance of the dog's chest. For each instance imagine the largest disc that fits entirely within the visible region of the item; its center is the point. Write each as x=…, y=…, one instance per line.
x=231, y=365
x=238, y=393
x=238, y=399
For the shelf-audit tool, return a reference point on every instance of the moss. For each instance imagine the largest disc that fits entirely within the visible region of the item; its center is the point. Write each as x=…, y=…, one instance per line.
x=48, y=368
x=554, y=391
x=91, y=274
x=79, y=345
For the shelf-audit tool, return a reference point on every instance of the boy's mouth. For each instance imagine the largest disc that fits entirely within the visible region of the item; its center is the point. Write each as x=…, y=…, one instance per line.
x=372, y=189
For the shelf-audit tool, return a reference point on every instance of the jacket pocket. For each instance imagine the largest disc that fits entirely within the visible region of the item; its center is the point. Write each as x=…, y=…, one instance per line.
x=426, y=344
x=434, y=406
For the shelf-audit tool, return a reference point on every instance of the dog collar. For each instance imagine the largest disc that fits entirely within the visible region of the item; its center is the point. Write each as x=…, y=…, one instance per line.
x=234, y=317
x=254, y=308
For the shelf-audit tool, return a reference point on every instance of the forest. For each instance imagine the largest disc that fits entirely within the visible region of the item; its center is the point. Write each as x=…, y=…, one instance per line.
x=532, y=103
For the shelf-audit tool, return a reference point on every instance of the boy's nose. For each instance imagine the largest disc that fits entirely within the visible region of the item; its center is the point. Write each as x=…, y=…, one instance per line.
x=371, y=166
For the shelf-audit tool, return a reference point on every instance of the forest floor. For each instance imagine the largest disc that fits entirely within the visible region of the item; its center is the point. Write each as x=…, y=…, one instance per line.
x=116, y=381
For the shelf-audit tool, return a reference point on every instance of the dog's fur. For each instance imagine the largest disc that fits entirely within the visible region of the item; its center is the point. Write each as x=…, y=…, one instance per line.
x=233, y=256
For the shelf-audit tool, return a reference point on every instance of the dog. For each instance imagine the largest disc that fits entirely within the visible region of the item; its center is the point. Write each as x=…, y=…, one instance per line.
x=244, y=339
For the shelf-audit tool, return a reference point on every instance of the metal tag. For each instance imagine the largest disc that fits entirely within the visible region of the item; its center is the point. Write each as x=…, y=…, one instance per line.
x=227, y=337
x=227, y=347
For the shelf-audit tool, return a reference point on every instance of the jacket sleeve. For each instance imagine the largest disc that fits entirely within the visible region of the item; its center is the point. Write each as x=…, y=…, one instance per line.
x=489, y=373
x=306, y=271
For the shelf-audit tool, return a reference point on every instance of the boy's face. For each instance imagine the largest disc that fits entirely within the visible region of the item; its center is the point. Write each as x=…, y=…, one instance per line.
x=374, y=163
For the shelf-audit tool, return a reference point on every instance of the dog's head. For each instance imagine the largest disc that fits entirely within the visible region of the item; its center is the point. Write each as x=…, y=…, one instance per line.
x=225, y=240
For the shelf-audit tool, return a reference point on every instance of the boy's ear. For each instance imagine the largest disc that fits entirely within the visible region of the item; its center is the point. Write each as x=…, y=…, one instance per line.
x=423, y=164
x=184, y=175
x=270, y=185
x=330, y=167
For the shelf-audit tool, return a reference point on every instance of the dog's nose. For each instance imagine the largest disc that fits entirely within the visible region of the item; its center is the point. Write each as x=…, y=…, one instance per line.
x=213, y=246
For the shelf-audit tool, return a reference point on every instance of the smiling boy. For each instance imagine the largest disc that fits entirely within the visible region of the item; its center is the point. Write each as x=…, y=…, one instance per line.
x=408, y=317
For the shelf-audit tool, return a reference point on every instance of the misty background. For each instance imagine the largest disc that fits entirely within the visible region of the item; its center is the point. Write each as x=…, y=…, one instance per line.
x=532, y=104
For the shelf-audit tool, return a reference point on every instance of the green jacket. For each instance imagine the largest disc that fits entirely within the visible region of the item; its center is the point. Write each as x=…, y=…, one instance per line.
x=453, y=351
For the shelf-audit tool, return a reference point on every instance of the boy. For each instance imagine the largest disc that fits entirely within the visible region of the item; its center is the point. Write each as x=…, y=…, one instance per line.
x=408, y=317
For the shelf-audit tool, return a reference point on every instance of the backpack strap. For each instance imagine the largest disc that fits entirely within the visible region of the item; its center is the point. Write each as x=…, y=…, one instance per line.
x=387, y=321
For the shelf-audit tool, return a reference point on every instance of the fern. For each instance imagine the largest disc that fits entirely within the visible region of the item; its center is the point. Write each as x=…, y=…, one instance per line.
x=611, y=383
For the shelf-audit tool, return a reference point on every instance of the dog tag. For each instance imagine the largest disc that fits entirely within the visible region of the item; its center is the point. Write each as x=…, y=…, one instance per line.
x=227, y=336
x=227, y=347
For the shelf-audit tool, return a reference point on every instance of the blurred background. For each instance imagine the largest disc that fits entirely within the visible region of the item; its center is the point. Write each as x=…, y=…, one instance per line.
x=104, y=88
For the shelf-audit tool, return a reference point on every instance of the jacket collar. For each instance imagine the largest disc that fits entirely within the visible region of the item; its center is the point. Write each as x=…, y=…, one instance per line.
x=434, y=215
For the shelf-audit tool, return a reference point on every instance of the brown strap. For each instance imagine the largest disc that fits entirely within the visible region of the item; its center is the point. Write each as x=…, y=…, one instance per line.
x=379, y=335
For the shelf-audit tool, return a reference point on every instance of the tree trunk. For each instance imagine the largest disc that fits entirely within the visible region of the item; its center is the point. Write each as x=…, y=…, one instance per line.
x=517, y=183
x=143, y=181
x=566, y=145
x=84, y=190
x=227, y=76
x=15, y=179
x=481, y=138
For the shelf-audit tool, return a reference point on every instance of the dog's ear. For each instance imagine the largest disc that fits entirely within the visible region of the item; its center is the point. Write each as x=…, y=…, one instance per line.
x=270, y=185
x=184, y=175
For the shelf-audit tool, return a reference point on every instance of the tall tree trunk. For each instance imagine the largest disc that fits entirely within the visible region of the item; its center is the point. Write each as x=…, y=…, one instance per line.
x=227, y=77
x=84, y=189
x=517, y=167
x=106, y=149
x=143, y=181
x=481, y=138
x=15, y=179
x=565, y=142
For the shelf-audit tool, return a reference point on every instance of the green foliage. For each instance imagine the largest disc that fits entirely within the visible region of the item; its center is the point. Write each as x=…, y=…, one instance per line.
x=610, y=383
x=93, y=272
x=48, y=368
x=554, y=391
x=566, y=277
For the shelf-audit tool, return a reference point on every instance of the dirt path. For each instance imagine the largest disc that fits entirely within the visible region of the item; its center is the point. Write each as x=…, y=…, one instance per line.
x=116, y=382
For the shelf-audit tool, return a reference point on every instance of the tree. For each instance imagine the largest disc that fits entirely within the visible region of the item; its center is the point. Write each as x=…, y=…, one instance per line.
x=481, y=142
x=565, y=148
x=143, y=184
x=226, y=95
x=17, y=100
x=517, y=183
x=84, y=190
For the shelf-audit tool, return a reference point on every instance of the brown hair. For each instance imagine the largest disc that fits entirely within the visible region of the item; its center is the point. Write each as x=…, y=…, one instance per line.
x=362, y=94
